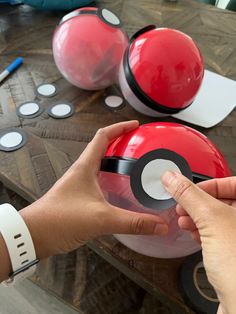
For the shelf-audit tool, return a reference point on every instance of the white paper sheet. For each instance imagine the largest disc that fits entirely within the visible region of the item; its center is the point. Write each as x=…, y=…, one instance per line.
x=214, y=102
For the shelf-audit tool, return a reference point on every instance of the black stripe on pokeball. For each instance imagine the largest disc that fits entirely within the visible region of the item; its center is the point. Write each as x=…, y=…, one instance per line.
x=105, y=15
x=118, y=165
x=125, y=166
x=136, y=177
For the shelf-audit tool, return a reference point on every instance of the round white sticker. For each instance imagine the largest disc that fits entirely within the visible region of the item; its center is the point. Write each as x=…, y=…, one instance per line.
x=29, y=108
x=110, y=17
x=61, y=110
x=11, y=139
x=114, y=101
x=46, y=90
x=151, y=178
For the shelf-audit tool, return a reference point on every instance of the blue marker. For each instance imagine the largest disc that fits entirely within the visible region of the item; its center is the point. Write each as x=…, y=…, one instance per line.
x=11, y=68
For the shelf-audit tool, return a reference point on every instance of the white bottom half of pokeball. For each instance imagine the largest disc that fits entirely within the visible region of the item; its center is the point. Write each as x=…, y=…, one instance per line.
x=213, y=103
x=177, y=243
x=133, y=100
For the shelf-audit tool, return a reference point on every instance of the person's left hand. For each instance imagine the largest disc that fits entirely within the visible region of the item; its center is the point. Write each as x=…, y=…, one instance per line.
x=75, y=211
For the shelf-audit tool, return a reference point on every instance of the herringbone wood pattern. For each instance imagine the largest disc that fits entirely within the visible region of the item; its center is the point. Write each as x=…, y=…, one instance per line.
x=53, y=145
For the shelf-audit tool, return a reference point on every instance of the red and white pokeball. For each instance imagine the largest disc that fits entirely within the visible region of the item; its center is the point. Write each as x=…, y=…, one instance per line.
x=162, y=71
x=163, y=74
x=131, y=173
x=88, y=45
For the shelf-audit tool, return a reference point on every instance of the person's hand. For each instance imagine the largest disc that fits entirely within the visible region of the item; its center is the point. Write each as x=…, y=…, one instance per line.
x=74, y=211
x=212, y=221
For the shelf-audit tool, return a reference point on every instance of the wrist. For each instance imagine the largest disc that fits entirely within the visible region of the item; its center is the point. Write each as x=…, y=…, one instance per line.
x=40, y=228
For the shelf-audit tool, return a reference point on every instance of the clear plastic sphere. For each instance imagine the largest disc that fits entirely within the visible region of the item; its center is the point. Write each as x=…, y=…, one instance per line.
x=131, y=173
x=88, y=46
x=178, y=243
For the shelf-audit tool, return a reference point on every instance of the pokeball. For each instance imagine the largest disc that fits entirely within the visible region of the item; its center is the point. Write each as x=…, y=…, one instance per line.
x=162, y=71
x=88, y=46
x=131, y=173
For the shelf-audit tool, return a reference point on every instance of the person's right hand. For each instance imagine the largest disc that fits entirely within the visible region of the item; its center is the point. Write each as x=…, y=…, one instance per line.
x=212, y=220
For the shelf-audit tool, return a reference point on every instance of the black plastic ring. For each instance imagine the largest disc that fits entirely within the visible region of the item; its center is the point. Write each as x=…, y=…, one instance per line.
x=69, y=114
x=142, y=31
x=118, y=165
x=124, y=165
x=188, y=289
x=133, y=168
x=31, y=116
x=22, y=143
x=136, y=177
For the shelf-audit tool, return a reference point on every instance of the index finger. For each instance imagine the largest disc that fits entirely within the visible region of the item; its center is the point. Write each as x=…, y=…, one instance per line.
x=96, y=149
x=223, y=188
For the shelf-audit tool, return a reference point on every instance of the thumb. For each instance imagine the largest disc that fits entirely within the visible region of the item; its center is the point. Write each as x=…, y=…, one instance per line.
x=197, y=203
x=127, y=222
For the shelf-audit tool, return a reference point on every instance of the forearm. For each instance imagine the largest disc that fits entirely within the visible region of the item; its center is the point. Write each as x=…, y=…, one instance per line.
x=42, y=224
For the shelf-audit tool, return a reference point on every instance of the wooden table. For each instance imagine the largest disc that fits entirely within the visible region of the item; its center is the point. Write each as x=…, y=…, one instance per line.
x=54, y=144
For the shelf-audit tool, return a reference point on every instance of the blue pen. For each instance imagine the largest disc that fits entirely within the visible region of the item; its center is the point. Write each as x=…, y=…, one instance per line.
x=11, y=68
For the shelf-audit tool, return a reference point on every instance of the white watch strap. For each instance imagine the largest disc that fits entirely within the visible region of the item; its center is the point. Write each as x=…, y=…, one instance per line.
x=18, y=241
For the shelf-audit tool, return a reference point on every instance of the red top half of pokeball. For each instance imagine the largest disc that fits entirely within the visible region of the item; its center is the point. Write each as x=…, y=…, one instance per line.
x=168, y=66
x=201, y=154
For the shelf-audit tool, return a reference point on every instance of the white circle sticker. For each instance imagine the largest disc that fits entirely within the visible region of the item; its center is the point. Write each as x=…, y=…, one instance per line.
x=46, y=90
x=28, y=109
x=61, y=110
x=11, y=139
x=151, y=178
x=110, y=17
x=114, y=101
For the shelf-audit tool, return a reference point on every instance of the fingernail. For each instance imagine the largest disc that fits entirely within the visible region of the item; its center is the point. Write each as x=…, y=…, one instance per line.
x=168, y=177
x=161, y=229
